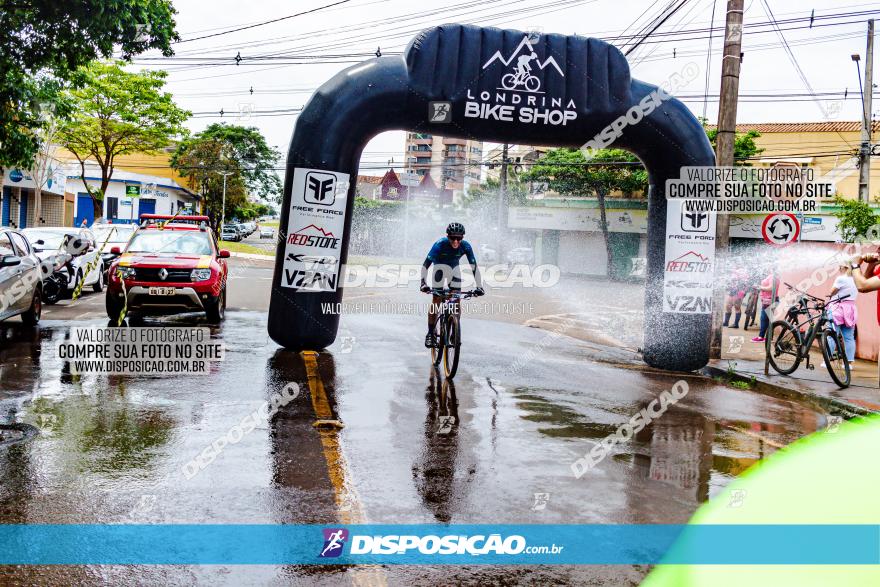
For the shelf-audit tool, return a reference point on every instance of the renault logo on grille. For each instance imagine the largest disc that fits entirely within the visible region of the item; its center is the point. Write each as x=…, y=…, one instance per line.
x=163, y=274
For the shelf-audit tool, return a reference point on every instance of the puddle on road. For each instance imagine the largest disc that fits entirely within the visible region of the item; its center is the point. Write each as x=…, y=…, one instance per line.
x=15, y=433
x=684, y=448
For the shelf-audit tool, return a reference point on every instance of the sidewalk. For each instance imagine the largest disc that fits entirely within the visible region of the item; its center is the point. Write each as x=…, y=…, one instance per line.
x=746, y=359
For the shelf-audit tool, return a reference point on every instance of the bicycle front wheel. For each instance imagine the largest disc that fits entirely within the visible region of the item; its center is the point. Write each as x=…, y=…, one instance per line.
x=784, y=347
x=835, y=357
x=437, y=349
x=453, y=347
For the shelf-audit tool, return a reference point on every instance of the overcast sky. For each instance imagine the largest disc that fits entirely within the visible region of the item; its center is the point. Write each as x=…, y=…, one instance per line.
x=204, y=77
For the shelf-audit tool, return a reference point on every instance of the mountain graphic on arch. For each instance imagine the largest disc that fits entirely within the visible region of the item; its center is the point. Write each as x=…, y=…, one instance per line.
x=497, y=56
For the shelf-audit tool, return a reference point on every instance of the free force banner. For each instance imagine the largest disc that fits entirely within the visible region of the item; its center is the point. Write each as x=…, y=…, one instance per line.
x=313, y=245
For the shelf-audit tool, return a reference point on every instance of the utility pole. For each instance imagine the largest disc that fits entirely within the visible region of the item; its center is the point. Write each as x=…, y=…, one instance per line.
x=502, y=202
x=223, y=209
x=724, y=143
x=867, y=94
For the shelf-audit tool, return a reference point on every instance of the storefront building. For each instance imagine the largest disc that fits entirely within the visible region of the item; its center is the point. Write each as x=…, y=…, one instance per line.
x=18, y=203
x=129, y=195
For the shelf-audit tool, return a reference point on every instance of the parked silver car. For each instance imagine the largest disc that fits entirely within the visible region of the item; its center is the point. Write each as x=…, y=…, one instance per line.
x=20, y=278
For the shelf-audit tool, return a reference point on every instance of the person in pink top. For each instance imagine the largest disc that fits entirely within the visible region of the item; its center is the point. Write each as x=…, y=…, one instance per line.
x=843, y=309
x=767, y=288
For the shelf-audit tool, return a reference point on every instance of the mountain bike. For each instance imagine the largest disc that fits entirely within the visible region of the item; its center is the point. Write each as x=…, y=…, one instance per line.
x=447, y=329
x=750, y=312
x=511, y=80
x=787, y=346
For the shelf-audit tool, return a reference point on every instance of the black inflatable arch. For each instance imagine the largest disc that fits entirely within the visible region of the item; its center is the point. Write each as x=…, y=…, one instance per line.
x=583, y=85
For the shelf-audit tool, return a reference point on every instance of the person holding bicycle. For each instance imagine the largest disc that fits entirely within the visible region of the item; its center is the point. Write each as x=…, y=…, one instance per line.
x=445, y=256
x=768, y=289
x=844, y=314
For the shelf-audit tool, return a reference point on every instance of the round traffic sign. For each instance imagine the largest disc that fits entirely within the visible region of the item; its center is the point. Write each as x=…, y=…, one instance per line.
x=780, y=229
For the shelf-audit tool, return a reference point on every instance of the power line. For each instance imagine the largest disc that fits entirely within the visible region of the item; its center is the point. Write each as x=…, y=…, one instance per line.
x=708, y=62
x=259, y=24
x=659, y=37
x=794, y=62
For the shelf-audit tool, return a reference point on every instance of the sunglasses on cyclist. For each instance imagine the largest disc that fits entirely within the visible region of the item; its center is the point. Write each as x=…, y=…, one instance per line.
x=455, y=238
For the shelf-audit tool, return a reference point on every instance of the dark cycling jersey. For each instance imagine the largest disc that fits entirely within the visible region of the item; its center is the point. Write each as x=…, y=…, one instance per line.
x=442, y=253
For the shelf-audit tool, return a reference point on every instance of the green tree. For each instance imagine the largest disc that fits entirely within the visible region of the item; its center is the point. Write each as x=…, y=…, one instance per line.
x=53, y=38
x=569, y=172
x=54, y=109
x=204, y=162
x=255, y=158
x=117, y=112
x=854, y=219
x=241, y=153
x=481, y=201
x=744, y=146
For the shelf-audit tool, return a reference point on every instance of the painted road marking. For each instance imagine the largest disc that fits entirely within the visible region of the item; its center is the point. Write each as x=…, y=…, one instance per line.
x=348, y=503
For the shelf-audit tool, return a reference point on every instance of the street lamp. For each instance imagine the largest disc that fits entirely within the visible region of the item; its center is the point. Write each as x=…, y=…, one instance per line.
x=855, y=57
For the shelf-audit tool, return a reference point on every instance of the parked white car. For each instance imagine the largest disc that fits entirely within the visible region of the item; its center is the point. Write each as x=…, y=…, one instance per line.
x=79, y=242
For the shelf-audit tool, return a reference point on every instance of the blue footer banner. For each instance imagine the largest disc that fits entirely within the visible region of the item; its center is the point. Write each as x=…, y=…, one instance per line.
x=68, y=544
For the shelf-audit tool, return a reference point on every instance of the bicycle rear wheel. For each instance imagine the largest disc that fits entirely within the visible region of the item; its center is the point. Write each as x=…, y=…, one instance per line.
x=784, y=347
x=835, y=357
x=453, y=347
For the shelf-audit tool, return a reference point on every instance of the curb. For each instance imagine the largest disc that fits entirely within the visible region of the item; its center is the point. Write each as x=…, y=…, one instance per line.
x=832, y=405
x=252, y=256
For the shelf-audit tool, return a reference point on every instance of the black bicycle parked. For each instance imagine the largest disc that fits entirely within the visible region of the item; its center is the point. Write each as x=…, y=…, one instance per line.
x=447, y=329
x=787, y=345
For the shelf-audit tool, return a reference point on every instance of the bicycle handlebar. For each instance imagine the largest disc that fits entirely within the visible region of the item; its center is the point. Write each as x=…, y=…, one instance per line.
x=803, y=293
x=437, y=291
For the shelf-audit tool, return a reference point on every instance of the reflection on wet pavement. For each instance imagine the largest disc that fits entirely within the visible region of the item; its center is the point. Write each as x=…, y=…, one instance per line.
x=375, y=435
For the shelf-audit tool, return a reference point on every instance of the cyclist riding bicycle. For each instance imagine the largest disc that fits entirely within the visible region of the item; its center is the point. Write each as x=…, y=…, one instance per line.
x=522, y=63
x=445, y=256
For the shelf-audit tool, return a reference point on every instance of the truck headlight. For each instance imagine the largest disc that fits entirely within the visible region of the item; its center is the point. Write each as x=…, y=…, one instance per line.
x=200, y=275
x=127, y=272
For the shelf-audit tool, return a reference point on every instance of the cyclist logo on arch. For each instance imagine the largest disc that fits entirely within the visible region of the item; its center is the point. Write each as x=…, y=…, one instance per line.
x=523, y=76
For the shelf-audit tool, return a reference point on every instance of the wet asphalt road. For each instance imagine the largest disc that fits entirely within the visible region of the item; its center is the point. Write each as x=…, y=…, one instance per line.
x=412, y=448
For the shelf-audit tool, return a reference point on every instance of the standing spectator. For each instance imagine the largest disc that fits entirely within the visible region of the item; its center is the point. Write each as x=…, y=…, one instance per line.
x=767, y=291
x=736, y=291
x=843, y=312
